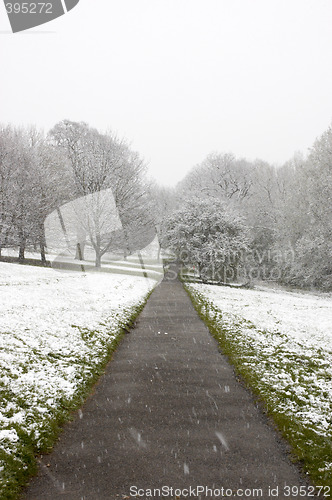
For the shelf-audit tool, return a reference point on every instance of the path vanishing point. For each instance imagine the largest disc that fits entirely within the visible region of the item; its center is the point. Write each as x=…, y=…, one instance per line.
x=168, y=413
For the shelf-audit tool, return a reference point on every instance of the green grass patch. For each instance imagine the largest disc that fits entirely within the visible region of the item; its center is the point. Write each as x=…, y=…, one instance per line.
x=20, y=459
x=286, y=382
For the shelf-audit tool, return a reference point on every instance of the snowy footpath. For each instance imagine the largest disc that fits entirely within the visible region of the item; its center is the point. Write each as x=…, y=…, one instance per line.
x=56, y=328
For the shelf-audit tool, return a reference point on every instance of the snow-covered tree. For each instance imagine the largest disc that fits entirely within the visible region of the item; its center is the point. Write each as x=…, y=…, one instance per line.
x=8, y=160
x=210, y=237
x=105, y=170
x=51, y=186
x=32, y=183
x=312, y=204
x=132, y=197
x=92, y=158
x=163, y=201
x=220, y=176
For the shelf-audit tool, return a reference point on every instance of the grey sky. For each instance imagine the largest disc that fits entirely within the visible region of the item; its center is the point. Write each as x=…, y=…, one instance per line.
x=178, y=78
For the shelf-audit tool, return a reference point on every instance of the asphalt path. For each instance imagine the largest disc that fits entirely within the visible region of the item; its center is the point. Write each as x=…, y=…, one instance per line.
x=168, y=415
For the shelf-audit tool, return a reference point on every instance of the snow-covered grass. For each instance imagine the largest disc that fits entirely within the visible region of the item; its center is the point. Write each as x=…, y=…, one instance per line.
x=134, y=265
x=56, y=334
x=281, y=343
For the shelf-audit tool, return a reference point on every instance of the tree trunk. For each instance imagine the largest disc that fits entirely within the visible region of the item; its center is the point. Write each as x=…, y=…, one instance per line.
x=21, y=255
x=42, y=243
x=63, y=227
x=42, y=253
x=157, y=229
x=142, y=265
x=4, y=241
x=22, y=243
x=80, y=251
x=126, y=250
x=98, y=251
x=80, y=247
x=98, y=260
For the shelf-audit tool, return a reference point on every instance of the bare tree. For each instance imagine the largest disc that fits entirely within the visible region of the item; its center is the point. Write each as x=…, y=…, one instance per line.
x=100, y=163
x=33, y=182
x=164, y=202
x=92, y=157
x=8, y=161
x=220, y=176
x=132, y=197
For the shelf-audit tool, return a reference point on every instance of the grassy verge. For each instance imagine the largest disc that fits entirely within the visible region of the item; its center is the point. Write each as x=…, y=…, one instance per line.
x=19, y=462
x=284, y=381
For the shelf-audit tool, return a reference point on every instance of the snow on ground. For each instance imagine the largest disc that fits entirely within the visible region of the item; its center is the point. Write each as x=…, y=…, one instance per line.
x=304, y=317
x=285, y=340
x=55, y=328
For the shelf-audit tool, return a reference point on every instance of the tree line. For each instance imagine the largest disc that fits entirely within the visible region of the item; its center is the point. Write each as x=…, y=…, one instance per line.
x=40, y=174
x=230, y=218
x=272, y=223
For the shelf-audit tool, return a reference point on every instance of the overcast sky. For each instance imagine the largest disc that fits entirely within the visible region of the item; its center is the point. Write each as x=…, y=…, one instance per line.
x=178, y=78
